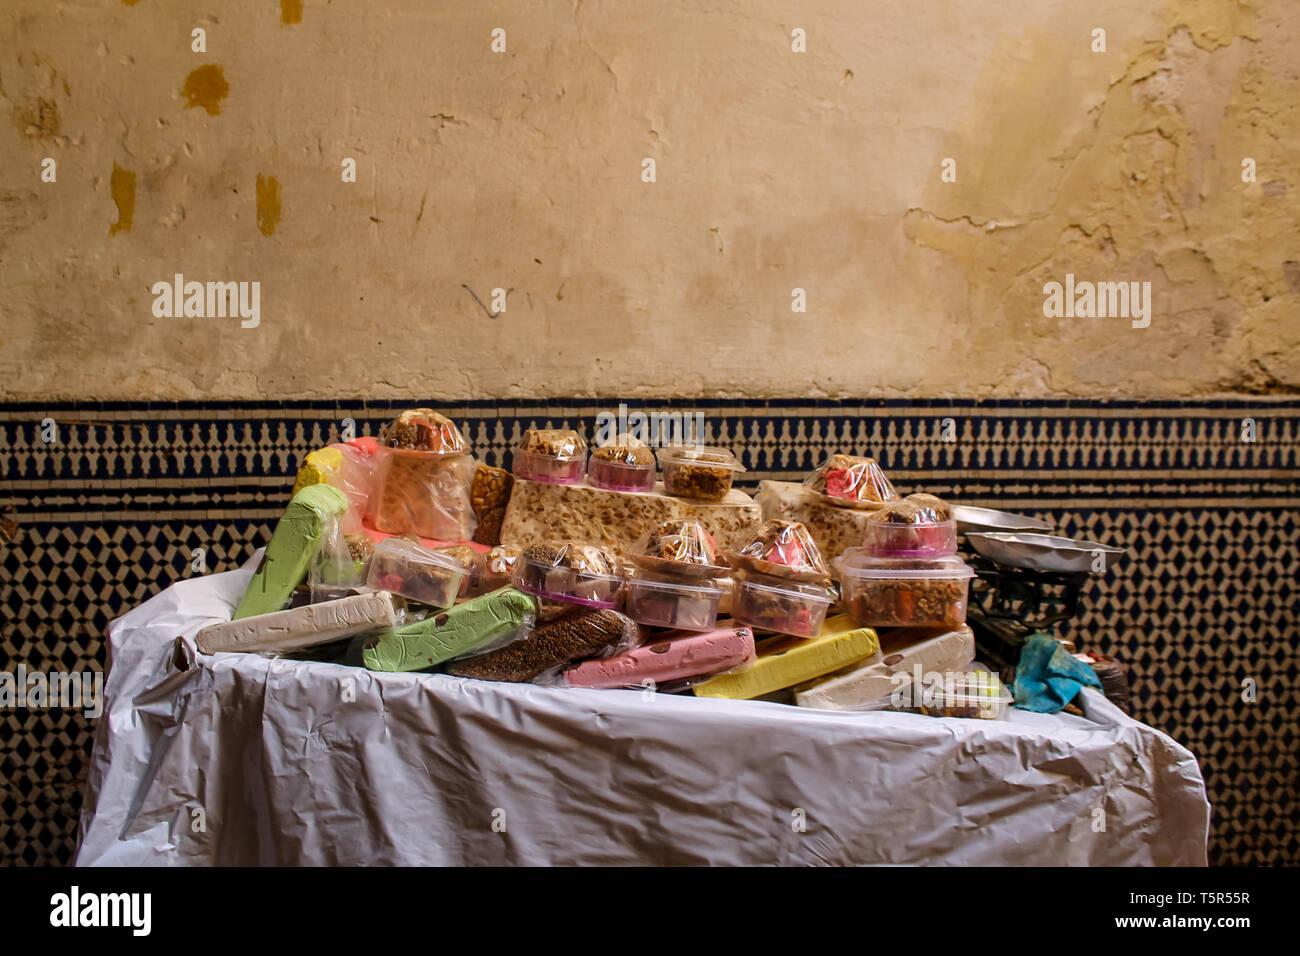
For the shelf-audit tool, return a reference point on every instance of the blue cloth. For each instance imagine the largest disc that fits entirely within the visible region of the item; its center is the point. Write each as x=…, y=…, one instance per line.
x=1048, y=676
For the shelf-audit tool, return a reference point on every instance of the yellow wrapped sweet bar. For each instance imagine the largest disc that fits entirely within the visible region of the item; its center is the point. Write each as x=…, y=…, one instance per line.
x=318, y=468
x=786, y=661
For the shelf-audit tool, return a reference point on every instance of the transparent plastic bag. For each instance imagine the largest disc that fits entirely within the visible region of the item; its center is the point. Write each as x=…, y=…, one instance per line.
x=550, y=646
x=340, y=564
x=423, y=430
x=782, y=549
x=423, y=493
x=680, y=547
x=355, y=479
x=422, y=479
x=489, y=495
x=851, y=481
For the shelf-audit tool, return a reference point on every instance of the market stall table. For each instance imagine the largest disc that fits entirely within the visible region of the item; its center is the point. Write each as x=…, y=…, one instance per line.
x=245, y=759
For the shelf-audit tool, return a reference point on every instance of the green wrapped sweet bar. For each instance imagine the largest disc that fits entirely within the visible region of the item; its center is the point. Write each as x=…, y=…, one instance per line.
x=462, y=629
x=294, y=543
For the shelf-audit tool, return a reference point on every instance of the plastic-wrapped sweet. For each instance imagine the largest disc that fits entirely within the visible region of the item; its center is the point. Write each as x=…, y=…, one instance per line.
x=768, y=603
x=416, y=572
x=782, y=549
x=903, y=592
x=499, y=564
x=680, y=548
x=423, y=476
x=602, y=632
x=476, y=581
x=554, y=455
x=660, y=601
x=345, y=467
x=489, y=495
x=570, y=573
x=705, y=474
x=918, y=526
x=423, y=429
x=341, y=563
x=626, y=465
x=971, y=693
x=851, y=481
x=489, y=621
x=673, y=657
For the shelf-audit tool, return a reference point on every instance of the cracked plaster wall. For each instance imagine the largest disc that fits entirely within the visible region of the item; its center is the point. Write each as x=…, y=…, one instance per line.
x=522, y=171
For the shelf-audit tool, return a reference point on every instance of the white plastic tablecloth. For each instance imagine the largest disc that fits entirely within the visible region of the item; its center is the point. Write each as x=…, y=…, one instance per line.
x=244, y=759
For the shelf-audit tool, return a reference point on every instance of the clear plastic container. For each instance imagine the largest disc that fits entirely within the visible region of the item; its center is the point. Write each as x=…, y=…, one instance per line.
x=903, y=592
x=416, y=572
x=475, y=566
x=898, y=532
x=557, y=456
x=705, y=474
x=622, y=468
x=663, y=602
x=570, y=574
x=783, y=606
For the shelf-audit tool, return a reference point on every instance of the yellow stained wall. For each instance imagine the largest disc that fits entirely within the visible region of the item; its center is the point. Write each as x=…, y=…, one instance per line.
x=523, y=170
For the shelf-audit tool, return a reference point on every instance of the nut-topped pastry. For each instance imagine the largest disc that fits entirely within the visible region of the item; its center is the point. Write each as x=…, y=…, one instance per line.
x=626, y=465
x=680, y=548
x=423, y=429
x=851, y=481
x=554, y=455
x=782, y=549
x=917, y=526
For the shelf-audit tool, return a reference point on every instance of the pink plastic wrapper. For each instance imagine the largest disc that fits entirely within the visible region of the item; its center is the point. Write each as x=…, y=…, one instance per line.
x=673, y=657
x=355, y=480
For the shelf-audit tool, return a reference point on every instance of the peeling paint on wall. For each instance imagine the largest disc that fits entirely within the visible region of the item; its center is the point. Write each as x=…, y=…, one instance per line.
x=268, y=204
x=777, y=170
x=122, y=187
x=38, y=119
x=206, y=86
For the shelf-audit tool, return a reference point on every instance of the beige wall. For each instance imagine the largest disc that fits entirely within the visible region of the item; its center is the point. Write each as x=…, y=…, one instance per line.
x=523, y=171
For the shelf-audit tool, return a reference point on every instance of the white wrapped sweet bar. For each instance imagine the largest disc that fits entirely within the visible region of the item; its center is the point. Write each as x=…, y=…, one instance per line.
x=301, y=627
x=615, y=519
x=902, y=651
